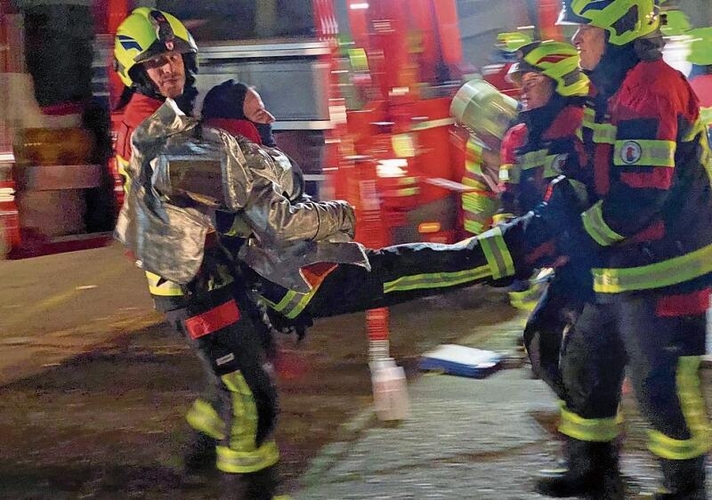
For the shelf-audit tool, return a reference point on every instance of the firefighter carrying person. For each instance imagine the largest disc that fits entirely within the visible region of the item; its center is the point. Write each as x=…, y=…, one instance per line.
x=539, y=148
x=646, y=231
x=297, y=253
x=156, y=59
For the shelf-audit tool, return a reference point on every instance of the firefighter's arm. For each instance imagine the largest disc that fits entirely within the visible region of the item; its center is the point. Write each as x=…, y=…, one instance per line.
x=641, y=172
x=273, y=218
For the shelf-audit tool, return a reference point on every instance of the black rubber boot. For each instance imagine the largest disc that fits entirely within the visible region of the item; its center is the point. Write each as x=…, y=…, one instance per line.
x=260, y=485
x=199, y=454
x=683, y=480
x=592, y=473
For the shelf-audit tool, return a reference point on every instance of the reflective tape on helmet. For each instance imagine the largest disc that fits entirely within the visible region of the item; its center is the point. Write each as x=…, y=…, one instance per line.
x=645, y=153
x=666, y=273
x=599, y=430
x=497, y=254
x=692, y=403
x=597, y=228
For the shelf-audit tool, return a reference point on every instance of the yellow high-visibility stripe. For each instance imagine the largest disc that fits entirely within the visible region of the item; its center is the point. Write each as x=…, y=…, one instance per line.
x=599, y=430
x=236, y=462
x=666, y=273
x=244, y=409
x=202, y=417
x=603, y=133
x=597, y=228
x=435, y=280
x=497, y=253
x=161, y=287
x=646, y=153
x=693, y=408
x=510, y=173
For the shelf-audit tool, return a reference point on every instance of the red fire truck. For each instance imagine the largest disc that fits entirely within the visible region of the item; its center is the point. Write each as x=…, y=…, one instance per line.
x=361, y=90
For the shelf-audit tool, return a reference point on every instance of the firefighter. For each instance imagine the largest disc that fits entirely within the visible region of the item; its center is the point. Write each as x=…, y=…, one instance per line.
x=179, y=173
x=155, y=58
x=647, y=237
x=535, y=151
x=701, y=75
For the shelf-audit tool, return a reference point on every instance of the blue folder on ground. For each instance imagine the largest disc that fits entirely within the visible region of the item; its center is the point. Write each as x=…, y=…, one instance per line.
x=459, y=360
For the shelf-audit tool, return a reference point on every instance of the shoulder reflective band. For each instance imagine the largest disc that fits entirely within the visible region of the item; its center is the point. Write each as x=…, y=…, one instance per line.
x=532, y=159
x=597, y=228
x=603, y=133
x=599, y=430
x=666, y=273
x=496, y=253
x=644, y=153
x=693, y=409
x=161, y=287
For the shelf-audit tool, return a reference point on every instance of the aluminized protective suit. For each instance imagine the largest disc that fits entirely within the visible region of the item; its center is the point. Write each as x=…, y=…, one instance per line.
x=182, y=173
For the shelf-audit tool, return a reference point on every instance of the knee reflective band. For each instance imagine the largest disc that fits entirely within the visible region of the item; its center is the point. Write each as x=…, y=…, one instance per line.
x=496, y=252
x=589, y=429
x=693, y=408
x=242, y=456
x=203, y=417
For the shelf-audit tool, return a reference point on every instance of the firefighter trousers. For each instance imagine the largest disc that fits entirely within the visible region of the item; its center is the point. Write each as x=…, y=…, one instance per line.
x=398, y=274
x=223, y=324
x=662, y=355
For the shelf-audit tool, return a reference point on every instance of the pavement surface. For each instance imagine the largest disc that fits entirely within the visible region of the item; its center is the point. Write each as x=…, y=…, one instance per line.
x=93, y=388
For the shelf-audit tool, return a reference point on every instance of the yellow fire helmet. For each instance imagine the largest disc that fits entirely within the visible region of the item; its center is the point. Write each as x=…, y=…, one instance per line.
x=556, y=60
x=512, y=41
x=624, y=20
x=146, y=33
x=700, y=46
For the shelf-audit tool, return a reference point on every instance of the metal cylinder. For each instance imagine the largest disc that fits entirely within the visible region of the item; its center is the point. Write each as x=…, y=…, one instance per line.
x=483, y=109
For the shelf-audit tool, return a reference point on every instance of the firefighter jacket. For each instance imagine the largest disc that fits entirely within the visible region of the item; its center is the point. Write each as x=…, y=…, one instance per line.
x=648, y=175
x=537, y=150
x=181, y=173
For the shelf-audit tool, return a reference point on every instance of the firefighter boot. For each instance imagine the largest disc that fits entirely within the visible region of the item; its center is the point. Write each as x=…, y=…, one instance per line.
x=260, y=485
x=592, y=472
x=199, y=453
x=683, y=480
